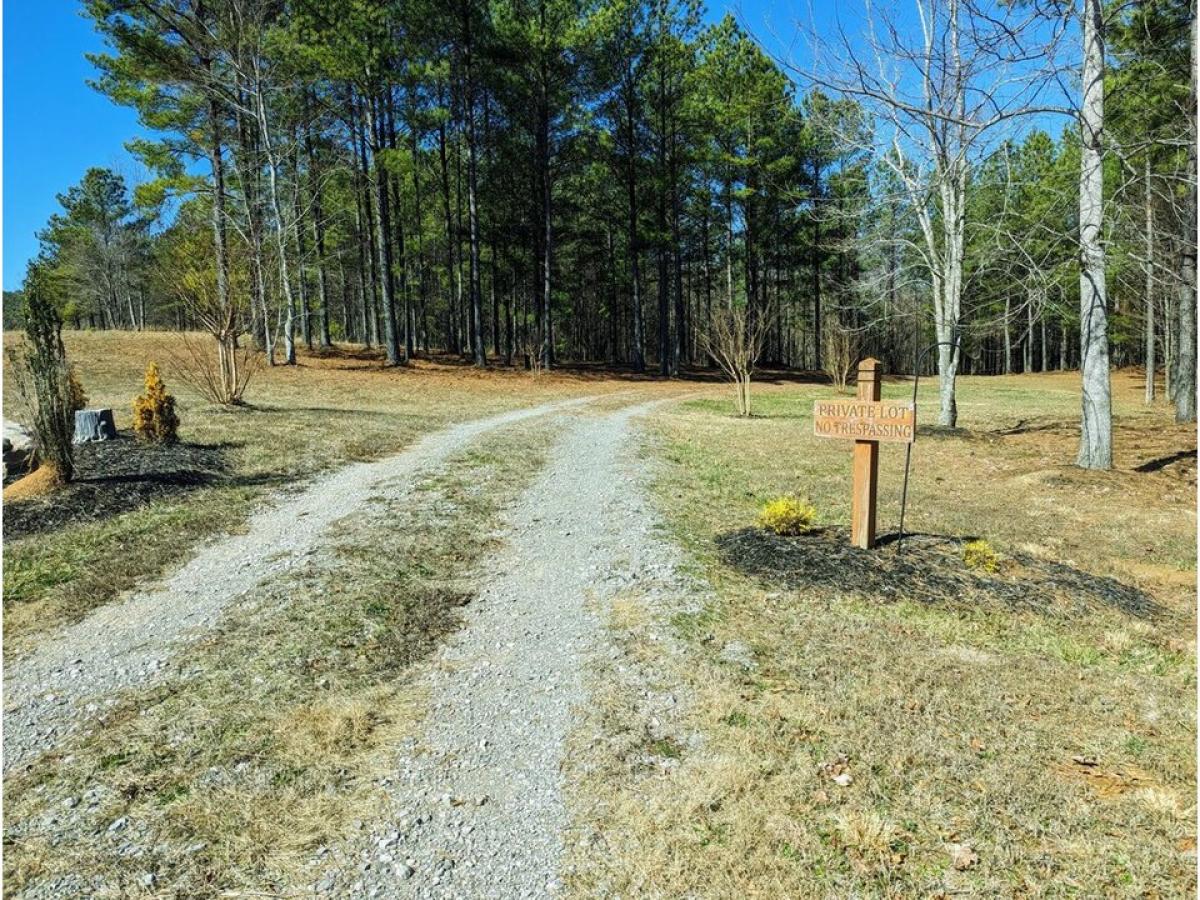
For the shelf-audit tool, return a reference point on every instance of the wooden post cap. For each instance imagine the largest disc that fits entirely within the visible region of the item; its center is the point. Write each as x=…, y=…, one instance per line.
x=869, y=368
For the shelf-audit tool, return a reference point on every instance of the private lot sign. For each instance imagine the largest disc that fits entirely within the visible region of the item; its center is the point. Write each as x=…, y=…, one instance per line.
x=868, y=421
x=865, y=420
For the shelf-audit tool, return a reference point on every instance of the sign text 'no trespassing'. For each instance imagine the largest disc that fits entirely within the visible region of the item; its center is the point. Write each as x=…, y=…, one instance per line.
x=865, y=420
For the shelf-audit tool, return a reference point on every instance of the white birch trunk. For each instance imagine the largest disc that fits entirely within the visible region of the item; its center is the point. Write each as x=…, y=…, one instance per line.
x=1007, y=335
x=289, y=320
x=1027, y=353
x=1185, y=389
x=1095, y=439
x=1149, y=289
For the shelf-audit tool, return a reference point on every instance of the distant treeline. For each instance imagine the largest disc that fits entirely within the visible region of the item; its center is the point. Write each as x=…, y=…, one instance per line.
x=522, y=180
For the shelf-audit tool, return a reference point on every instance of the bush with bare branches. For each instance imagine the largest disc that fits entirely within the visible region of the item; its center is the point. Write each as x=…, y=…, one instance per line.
x=219, y=374
x=531, y=349
x=735, y=339
x=841, y=352
x=221, y=370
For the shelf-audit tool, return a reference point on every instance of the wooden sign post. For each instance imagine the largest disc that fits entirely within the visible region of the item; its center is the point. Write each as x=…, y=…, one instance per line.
x=866, y=464
x=866, y=421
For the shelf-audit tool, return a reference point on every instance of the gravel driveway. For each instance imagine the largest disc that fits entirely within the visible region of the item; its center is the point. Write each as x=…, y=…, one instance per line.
x=50, y=692
x=477, y=800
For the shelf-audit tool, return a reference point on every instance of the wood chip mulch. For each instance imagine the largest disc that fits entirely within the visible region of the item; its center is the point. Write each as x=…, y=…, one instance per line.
x=926, y=569
x=112, y=477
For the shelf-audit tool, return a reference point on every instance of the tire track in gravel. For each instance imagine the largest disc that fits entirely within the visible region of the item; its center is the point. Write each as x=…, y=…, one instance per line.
x=476, y=807
x=128, y=642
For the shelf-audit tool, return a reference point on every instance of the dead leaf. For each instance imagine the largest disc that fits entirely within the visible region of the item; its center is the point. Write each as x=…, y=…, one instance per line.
x=977, y=745
x=963, y=857
x=838, y=770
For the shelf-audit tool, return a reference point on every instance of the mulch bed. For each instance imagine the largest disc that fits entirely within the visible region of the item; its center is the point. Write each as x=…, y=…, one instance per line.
x=113, y=477
x=928, y=569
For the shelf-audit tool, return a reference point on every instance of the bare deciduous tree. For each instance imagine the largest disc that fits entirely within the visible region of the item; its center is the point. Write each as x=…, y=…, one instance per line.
x=939, y=95
x=841, y=353
x=221, y=372
x=735, y=339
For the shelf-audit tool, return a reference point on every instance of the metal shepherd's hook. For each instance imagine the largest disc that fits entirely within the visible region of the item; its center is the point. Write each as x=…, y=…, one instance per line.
x=918, y=362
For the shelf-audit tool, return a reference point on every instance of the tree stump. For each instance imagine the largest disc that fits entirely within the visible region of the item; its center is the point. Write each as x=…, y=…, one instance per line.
x=94, y=425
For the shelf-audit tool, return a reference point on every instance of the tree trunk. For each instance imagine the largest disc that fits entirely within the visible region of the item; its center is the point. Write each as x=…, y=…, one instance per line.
x=396, y=205
x=323, y=331
x=1008, y=354
x=1027, y=354
x=281, y=248
x=475, y=286
x=452, y=337
x=678, y=349
x=639, y=340
x=364, y=212
x=1149, y=289
x=1045, y=343
x=318, y=214
x=1095, y=443
x=422, y=286
x=301, y=258
x=220, y=244
x=1185, y=389
x=383, y=246
x=816, y=266
x=728, y=242
x=663, y=286
x=547, y=347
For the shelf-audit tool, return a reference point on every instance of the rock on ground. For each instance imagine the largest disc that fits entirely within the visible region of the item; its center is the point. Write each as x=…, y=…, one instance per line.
x=18, y=447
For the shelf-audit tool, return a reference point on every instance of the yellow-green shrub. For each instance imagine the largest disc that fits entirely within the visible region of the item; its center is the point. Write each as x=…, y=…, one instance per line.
x=980, y=555
x=788, y=515
x=154, y=417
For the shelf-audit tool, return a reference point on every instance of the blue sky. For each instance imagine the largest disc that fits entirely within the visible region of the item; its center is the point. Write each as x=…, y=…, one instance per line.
x=55, y=126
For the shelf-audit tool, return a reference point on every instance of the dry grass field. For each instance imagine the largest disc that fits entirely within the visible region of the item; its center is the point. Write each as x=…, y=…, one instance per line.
x=896, y=725
x=838, y=723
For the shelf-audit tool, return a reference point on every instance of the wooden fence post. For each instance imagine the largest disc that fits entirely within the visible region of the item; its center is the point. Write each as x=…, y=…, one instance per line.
x=866, y=463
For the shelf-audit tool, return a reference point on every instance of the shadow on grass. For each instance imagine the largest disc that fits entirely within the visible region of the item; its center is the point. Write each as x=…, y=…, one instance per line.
x=328, y=412
x=1156, y=465
x=362, y=359
x=925, y=569
x=114, y=477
